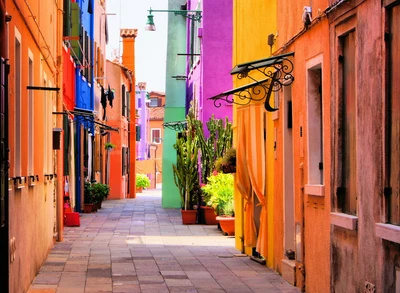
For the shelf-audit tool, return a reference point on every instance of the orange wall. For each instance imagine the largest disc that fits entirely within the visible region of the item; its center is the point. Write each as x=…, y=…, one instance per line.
x=31, y=207
x=156, y=124
x=312, y=212
x=116, y=77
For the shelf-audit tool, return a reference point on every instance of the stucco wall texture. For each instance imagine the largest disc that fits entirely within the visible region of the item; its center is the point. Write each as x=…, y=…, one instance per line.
x=311, y=212
x=116, y=78
x=175, y=93
x=253, y=22
x=360, y=256
x=31, y=211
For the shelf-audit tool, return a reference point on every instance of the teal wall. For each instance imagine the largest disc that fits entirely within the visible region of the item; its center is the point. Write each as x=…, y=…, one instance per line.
x=170, y=194
x=175, y=96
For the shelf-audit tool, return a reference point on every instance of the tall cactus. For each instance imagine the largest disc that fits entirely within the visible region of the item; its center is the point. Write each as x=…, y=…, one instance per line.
x=186, y=170
x=216, y=145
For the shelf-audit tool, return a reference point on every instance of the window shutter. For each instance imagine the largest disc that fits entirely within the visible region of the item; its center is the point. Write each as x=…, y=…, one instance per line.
x=123, y=100
x=75, y=29
x=128, y=102
x=67, y=18
x=137, y=132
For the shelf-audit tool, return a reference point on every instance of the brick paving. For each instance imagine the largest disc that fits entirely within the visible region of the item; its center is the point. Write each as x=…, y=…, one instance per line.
x=135, y=245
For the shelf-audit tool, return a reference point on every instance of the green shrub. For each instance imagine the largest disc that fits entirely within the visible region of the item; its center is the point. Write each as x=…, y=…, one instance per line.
x=142, y=181
x=218, y=193
x=98, y=192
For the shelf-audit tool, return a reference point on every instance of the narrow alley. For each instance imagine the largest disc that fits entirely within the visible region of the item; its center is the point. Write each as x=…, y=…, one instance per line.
x=135, y=245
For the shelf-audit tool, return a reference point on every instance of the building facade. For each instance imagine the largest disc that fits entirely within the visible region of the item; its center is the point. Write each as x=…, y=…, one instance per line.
x=33, y=95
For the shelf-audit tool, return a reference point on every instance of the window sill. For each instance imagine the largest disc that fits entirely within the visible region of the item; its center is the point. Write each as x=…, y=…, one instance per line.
x=388, y=232
x=344, y=220
x=19, y=182
x=314, y=189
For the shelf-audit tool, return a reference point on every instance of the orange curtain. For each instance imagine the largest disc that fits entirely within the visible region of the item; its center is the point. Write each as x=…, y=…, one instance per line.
x=243, y=180
x=251, y=170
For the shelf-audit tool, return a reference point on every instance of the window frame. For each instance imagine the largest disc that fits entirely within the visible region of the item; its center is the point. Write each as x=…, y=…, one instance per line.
x=152, y=135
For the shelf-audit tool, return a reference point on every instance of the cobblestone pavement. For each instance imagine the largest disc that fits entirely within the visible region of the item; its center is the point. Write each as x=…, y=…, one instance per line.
x=135, y=245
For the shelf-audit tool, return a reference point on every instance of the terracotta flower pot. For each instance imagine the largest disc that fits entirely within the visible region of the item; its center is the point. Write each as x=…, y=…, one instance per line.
x=88, y=208
x=227, y=224
x=139, y=189
x=210, y=217
x=189, y=217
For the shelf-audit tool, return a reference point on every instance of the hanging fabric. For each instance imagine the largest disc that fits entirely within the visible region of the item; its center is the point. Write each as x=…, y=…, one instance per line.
x=103, y=101
x=251, y=171
x=243, y=181
x=110, y=95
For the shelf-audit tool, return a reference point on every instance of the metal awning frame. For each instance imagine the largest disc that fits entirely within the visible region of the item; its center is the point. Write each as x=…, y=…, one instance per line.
x=278, y=72
x=176, y=125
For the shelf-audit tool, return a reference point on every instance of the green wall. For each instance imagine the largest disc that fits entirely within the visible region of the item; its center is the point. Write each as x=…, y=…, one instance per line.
x=175, y=95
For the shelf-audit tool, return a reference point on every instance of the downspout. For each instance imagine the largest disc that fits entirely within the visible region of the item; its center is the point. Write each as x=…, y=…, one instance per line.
x=60, y=153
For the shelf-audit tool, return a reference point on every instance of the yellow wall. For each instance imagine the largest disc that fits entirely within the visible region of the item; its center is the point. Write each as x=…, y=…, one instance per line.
x=253, y=22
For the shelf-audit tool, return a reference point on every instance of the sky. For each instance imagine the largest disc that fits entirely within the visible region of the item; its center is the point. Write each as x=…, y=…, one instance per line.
x=150, y=47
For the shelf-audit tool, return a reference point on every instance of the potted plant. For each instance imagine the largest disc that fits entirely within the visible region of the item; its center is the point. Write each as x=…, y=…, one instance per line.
x=218, y=193
x=142, y=181
x=227, y=163
x=186, y=175
x=109, y=146
x=98, y=192
x=88, y=201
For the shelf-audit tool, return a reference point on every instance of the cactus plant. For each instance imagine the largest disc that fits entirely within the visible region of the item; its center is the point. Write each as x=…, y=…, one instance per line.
x=216, y=145
x=186, y=170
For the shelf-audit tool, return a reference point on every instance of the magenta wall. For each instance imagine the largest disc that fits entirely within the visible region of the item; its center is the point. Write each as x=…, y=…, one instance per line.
x=211, y=74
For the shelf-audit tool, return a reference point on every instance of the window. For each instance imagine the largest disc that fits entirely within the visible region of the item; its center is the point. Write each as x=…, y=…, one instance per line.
x=18, y=116
x=123, y=98
x=393, y=123
x=125, y=161
x=128, y=103
x=155, y=102
x=156, y=135
x=347, y=189
x=31, y=118
x=315, y=126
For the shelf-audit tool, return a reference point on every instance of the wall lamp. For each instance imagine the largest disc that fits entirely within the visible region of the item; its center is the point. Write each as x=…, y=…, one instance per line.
x=191, y=14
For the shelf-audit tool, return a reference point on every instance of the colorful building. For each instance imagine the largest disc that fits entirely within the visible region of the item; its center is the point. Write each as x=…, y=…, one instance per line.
x=34, y=39
x=119, y=79
x=156, y=133
x=208, y=33
x=365, y=203
x=209, y=57
x=175, y=104
x=303, y=164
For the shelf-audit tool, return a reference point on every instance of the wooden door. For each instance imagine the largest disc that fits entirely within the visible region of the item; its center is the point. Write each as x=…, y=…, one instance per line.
x=349, y=116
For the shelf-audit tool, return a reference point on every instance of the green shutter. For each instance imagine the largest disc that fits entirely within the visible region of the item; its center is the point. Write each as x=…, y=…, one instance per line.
x=76, y=29
x=137, y=132
x=67, y=18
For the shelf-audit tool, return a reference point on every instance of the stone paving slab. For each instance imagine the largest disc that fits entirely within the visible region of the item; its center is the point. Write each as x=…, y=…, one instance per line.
x=134, y=245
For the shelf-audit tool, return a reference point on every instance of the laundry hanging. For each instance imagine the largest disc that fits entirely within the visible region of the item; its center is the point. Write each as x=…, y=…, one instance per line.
x=110, y=95
x=103, y=101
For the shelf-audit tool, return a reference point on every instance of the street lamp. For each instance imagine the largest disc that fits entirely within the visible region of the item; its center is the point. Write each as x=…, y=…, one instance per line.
x=191, y=14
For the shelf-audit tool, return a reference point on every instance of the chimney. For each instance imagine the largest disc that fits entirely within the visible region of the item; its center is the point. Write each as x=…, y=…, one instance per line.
x=128, y=44
x=142, y=86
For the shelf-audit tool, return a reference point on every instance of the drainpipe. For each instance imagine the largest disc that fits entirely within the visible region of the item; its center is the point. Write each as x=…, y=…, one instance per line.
x=60, y=153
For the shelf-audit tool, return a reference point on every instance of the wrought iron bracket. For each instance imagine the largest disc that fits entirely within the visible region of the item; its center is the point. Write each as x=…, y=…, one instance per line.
x=278, y=72
x=176, y=125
